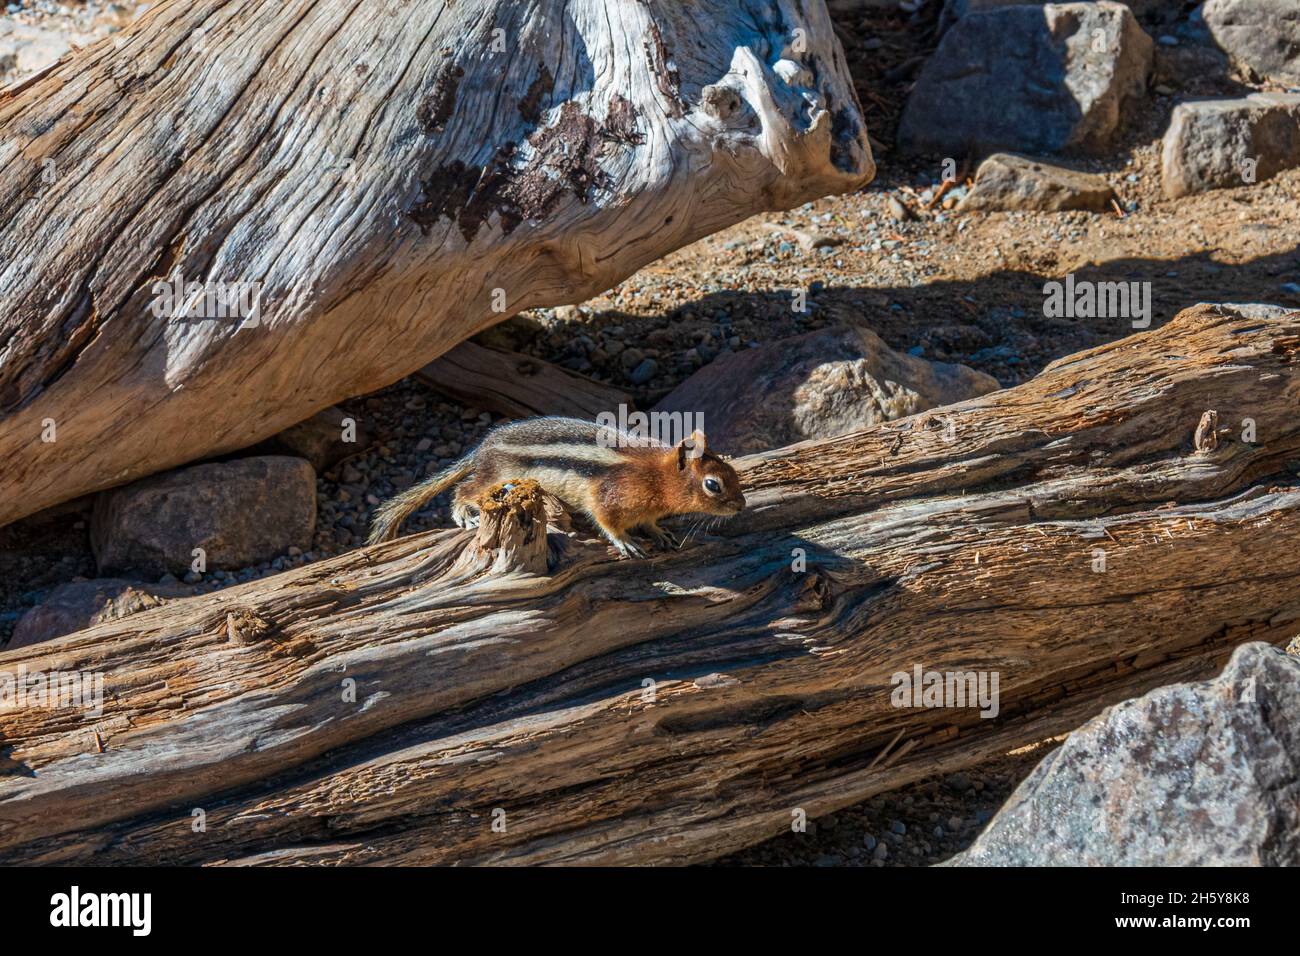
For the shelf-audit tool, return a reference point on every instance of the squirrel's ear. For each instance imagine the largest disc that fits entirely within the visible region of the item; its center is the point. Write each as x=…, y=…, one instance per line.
x=693, y=447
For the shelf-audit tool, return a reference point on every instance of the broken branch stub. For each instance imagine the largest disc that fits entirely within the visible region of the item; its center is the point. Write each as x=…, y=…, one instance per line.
x=513, y=518
x=296, y=202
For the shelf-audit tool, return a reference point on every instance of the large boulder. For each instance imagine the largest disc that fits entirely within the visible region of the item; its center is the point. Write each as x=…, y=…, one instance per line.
x=1261, y=36
x=1213, y=144
x=239, y=512
x=1009, y=181
x=1033, y=79
x=817, y=385
x=1204, y=774
x=954, y=10
x=81, y=604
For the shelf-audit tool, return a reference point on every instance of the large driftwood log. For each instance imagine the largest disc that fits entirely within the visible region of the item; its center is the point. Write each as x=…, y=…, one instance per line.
x=386, y=177
x=518, y=385
x=1067, y=534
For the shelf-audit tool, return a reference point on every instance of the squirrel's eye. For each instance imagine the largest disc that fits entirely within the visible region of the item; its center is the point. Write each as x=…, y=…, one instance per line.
x=711, y=486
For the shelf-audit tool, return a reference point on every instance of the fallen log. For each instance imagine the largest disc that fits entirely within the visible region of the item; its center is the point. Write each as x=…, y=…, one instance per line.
x=421, y=701
x=231, y=215
x=517, y=385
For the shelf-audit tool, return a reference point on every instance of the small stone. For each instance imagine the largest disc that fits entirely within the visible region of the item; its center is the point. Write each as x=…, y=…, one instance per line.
x=1008, y=181
x=644, y=372
x=898, y=211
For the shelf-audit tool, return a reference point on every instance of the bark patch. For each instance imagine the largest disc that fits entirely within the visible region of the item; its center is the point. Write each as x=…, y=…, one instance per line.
x=530, y=107
x=665, y=73
x=437, y=108
x=565, y=158
x=620, y=122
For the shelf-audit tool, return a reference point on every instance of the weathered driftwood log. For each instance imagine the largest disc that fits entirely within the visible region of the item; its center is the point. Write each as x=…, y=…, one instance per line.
x=418, y=702
x=517, y=385
x=381, y=179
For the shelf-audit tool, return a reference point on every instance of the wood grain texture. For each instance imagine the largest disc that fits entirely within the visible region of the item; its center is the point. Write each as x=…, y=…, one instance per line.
x=380, y=168
x=961, y=538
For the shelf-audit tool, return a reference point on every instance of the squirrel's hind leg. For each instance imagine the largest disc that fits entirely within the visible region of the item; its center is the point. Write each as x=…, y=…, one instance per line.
x=464, y=512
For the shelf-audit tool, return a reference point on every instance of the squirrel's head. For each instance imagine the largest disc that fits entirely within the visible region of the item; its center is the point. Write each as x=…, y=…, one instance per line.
x=712, y=485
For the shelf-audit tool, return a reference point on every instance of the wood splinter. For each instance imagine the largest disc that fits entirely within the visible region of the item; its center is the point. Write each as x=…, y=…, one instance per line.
x=1207, y=432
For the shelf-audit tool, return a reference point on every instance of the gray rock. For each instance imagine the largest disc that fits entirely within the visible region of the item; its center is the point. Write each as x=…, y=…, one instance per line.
x=1261, y=36
x=1259, y=310
x=645, y=370
x=240, y=512
x=817, y=385
x=1183, y=66
x=898, y=210
x=1010, y=181
x=1214, y=144
x=320, y=439
x=81, y=604
x=1034, y=79
x=1202, y=774
x=954, y=10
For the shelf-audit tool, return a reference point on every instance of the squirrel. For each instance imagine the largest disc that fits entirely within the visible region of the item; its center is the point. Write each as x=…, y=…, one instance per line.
x=620, y=481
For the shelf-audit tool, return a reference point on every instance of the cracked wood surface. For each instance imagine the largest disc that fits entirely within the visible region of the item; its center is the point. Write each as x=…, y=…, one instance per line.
x=381, y=169
x=965, y=537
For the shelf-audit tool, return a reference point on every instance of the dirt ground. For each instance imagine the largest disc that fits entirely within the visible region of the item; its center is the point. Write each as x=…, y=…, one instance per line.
x=960, y=288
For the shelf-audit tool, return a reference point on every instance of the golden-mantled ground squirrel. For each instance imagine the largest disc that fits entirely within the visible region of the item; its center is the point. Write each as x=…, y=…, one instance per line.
x=620, y=481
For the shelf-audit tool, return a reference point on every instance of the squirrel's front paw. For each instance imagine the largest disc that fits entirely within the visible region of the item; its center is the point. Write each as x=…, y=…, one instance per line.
x=629, y=549
x=665, y=539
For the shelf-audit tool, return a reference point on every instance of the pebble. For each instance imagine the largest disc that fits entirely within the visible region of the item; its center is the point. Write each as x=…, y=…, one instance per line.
x=646, y=370
x=898, y=211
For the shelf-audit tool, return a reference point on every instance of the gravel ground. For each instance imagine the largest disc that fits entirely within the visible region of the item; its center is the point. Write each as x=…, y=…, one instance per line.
x=955, y=288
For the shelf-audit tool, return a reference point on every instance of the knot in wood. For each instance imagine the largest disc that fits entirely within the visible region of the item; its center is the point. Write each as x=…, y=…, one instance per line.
x=720, y=102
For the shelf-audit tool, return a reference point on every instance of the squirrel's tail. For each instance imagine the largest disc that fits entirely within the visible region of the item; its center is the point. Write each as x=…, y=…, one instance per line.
x=388, y=519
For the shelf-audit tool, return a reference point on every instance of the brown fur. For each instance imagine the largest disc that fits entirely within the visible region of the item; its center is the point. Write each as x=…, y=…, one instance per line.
x=621, y=482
